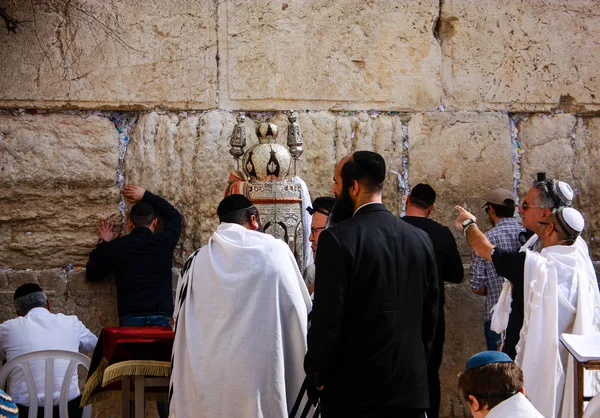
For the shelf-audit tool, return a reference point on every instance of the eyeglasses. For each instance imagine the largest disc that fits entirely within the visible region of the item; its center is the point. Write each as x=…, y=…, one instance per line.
x=313, y=231
x=527, y=206
x=544, y=223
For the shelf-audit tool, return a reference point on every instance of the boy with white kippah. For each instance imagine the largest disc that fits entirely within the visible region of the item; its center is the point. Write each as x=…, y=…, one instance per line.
x=492, y=386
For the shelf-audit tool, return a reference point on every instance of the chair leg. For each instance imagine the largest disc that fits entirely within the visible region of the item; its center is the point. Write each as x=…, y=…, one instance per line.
x=139, y=397
x=125, y=396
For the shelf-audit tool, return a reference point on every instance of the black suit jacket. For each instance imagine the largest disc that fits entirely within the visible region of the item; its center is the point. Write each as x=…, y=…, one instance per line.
x=375, y=312
x=142, y=263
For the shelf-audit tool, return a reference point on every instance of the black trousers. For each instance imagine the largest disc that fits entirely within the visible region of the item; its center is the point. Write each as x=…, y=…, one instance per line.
x=72, y=407
x=433, y=369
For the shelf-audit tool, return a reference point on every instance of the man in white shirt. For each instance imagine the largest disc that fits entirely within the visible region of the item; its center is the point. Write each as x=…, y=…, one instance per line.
x=36, y=329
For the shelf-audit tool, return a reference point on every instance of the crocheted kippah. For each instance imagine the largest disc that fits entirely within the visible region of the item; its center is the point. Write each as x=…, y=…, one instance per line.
x=8, y=409
x=487, y=357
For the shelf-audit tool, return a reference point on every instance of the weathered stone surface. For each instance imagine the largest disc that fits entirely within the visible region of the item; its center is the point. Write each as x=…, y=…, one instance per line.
x=464, y=337
x=126, y=54
x=318, y=54
x=185, y=159
x=95, y=304
x=463, y=156
x=520, y=56
x=58, y=173
x=379, y=133
x=17, y=278
x=54, y=279
x=587, y=179
x=3, y=280
x=566, y=148
x=546, y=144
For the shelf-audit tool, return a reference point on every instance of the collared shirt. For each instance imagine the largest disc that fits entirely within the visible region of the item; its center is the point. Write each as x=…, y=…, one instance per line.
x=362, y=206
x=505, y=234
x=42, y=330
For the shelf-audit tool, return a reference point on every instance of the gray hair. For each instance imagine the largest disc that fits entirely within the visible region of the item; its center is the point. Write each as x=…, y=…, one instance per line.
x=33, y=300
x=544, y=199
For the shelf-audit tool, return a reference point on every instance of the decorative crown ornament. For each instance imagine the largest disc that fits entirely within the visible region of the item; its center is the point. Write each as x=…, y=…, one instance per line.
x=294, y=140
x=238, y=140
x=266, y=161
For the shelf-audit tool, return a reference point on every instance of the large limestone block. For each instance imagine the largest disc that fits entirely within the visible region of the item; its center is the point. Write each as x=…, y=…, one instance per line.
x=546, y=144
x=132, y=54
x=380, y=133
x=185, y=159
x=464, y=338
x=587, y=179
x=520, y=55
x=463, y=156
x=58, y=173
x=329, y=54
x=566, y=148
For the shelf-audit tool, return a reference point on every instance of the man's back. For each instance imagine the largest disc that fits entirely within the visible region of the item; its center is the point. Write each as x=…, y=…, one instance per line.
x=244, y=312
x=447, y=257
x=42, y=330
x=375, y=313
x=142, y=263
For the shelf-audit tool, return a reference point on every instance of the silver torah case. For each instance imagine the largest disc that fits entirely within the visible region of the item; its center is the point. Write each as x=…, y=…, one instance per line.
x=269, y=186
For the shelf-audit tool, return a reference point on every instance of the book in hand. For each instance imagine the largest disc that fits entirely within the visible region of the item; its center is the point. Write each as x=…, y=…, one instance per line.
x=583, y=347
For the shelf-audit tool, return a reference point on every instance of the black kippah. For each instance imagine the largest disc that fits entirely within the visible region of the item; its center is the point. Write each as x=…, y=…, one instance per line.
x=142, y=209
x=423, y=192
x=27, y=289
x=323, y=204
x=233, y=203
x=371, y=163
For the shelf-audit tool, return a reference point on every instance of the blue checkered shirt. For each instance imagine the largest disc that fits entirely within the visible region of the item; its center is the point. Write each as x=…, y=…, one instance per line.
x=483, y=274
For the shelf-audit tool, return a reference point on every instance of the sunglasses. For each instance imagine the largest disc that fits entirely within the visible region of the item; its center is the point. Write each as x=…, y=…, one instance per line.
x=527, y=206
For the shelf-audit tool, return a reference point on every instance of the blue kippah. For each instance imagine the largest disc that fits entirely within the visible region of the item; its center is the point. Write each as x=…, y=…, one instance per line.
x=487, y=357
x=8, y=409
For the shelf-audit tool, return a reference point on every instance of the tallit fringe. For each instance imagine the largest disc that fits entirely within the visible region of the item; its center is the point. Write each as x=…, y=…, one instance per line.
x=136, y=368
x=93, y=382
x=116, y=394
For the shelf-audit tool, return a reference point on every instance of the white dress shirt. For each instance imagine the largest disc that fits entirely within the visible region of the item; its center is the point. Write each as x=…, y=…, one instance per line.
x=42, y=330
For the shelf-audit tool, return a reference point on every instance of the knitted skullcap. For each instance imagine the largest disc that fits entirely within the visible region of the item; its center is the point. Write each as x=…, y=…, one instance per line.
x=371, y=163
x=570, y=221
x=8, y=409
x=564, y=192
x=487, y=357
x=233, y=203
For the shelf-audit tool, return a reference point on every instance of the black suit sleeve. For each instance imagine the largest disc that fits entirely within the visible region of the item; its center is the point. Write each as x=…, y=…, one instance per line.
x=172, y=218
x=454, y=267
x=430, y=301
x=99, y=265
x=331, y=285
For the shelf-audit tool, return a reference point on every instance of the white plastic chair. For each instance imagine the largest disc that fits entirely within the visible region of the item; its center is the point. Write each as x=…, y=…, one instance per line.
x=49, y=356
x=592, y=410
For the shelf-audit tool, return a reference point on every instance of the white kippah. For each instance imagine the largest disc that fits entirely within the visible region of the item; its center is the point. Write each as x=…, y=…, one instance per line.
x=564, y=191
x=573, y=219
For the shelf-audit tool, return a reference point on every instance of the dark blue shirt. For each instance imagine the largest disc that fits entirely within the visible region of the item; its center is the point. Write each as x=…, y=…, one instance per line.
x=142, y=263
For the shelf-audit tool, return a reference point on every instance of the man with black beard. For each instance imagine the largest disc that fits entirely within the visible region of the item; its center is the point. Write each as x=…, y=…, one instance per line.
x=376, y=303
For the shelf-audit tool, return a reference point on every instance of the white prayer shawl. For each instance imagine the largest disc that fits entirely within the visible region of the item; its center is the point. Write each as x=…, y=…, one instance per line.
x=517, y=406
x=561, y=296
x=241, y=323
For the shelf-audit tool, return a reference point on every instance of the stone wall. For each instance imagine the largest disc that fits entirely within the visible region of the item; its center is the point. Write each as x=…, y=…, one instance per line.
x=465, y=95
